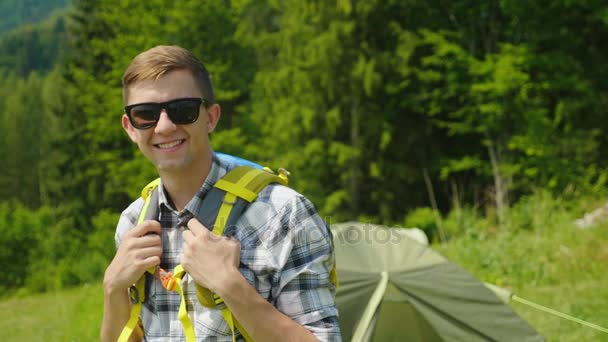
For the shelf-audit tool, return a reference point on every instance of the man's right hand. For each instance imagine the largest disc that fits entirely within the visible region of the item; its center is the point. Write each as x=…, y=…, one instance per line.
x=140, y=249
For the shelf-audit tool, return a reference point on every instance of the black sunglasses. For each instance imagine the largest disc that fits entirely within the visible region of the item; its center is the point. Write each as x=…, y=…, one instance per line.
x=181, y=111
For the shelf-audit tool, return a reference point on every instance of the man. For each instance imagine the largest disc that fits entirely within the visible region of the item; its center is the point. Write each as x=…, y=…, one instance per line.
x=273, y=279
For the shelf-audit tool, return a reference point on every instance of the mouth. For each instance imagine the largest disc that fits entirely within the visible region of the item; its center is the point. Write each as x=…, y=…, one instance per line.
x=170, y=144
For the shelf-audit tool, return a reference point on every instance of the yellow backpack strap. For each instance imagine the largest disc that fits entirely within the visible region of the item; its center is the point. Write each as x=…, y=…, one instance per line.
x=137, y=291
x=182, y=314
x=231, y=321
x=243, y=182
x=146, y=194
x=246, y=182
x=333, y=275
x=136, y=303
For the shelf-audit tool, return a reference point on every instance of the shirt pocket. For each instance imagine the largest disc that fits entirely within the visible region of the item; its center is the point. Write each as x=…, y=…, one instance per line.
x=210, y=324
x=155, y=319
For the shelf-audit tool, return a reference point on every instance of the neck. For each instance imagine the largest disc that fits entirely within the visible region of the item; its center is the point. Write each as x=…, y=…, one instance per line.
x=182, y=185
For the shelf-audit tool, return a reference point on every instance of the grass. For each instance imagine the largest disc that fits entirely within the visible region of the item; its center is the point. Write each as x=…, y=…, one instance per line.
x=549, y=261
x=585, y=300
x=68, y=315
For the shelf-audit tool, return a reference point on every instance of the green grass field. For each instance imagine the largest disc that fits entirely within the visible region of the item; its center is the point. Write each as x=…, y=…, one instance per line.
x=552, y=263
x=69, y=315
x=587, y=300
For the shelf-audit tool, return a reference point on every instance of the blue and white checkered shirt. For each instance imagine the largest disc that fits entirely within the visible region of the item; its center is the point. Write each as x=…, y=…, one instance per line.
x=286, y=255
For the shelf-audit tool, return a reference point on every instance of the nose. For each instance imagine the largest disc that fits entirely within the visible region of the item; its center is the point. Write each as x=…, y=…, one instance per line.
x=164, y=124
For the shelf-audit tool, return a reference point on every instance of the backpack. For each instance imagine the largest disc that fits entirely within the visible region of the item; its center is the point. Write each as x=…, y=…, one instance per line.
x=221, y=208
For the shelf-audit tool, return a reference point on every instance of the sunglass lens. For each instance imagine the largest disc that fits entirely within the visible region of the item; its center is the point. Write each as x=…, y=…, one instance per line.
x=184, y=112
x=145, y=115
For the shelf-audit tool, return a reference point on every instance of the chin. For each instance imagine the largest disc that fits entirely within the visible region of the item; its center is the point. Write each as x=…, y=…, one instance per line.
x=172, y=166
x=168, y=166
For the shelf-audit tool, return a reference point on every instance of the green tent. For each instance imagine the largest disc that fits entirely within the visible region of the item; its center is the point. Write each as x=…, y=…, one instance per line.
x=393, y=288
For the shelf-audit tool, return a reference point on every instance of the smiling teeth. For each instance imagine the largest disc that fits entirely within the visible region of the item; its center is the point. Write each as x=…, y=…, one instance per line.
x=171, y=144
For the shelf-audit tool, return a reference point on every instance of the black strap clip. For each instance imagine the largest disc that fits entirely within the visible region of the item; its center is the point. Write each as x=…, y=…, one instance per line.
x=134, y=294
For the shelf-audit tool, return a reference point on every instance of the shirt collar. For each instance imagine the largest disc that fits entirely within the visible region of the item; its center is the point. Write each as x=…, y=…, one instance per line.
x=217, y=171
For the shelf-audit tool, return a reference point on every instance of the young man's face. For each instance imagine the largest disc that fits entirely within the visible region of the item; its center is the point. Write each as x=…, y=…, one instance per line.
x=171, y=147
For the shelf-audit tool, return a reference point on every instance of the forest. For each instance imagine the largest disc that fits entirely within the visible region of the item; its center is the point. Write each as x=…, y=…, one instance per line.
x=463, y=118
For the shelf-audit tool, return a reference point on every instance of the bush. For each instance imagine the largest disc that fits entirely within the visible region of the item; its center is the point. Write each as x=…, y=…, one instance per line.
x=19, y=231
x=100, y=246
x=423, y=218
x=58, y=243
x=536, y=211
x=538, y=245
x=73, y=257
x=43, y=249
x=466, y=222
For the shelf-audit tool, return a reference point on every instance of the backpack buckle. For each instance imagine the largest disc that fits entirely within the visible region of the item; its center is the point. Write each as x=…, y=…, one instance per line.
x=133, y=294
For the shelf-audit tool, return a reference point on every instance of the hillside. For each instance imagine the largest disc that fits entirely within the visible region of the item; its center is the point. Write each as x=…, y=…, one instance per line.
x=14, y=13
x=35, y=47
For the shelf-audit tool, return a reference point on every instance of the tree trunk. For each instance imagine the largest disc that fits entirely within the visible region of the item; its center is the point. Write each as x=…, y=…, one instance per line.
x=355, y=172
x=500, y=189
x=431, y=192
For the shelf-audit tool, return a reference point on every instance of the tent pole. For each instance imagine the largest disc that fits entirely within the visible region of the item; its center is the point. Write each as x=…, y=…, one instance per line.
x=370, y=310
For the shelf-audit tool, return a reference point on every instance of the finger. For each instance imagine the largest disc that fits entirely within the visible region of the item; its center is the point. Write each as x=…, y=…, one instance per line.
x=197, y=228
x=147, y=252
x=148, y=262
x=146, y=227
x=149, y=240
x=138, y=242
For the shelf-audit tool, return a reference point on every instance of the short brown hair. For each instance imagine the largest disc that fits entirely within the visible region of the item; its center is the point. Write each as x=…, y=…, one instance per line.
x=160, y=60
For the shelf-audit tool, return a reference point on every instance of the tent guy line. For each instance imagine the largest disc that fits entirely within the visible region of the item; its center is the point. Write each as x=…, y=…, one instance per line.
x=557, y=313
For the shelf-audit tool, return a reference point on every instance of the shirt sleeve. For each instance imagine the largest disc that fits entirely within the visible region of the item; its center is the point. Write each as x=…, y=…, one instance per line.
x=128, y=220
x=302, y=287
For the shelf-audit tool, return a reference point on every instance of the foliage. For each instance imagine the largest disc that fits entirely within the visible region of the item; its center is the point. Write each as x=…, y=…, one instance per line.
x=504, y=257
x=41, y=250
x=366, y=107
x=18, y=235
x=375, y=107
x=468, y=222
x=23, y=138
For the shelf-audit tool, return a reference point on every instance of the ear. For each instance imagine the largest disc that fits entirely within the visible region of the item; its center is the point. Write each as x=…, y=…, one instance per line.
x=126, y=125
x=213, y=116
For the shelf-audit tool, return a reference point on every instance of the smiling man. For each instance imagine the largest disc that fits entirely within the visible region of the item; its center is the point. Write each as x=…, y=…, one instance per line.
x=271, y=275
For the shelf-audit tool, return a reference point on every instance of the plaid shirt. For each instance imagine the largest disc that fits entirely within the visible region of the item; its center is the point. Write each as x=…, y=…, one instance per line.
x=286, y=255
